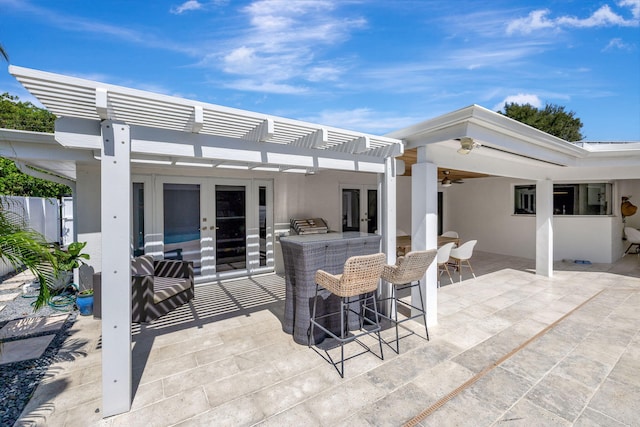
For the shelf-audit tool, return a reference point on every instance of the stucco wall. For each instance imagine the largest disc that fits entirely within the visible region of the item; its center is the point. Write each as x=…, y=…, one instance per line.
x=87, y=201
x=481, y=209
x=478, y=209
x=322, y=194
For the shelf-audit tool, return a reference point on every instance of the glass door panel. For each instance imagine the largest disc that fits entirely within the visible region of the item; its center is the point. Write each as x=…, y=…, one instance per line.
x=231, y=226
x=360, y=209
x=138, y=218
x=181, y=209
x=372, y=211
x=262, y=225
x=350, y=209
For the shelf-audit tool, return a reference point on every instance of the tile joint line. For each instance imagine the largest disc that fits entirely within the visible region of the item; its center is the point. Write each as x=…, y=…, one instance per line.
x=443, y=400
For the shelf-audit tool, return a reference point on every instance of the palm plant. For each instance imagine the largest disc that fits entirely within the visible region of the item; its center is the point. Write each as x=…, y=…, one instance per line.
x=22, y=247
x=4, y=53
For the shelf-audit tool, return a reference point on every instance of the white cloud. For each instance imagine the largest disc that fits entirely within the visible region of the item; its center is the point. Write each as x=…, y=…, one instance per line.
x=634, y=5
x=617, y=44
x=190, y=5
x=284, y=42
x=187, y=6
x=535, y=21
x=521, y=99
x=603, y=17
x=364, y=120
x=266, y=87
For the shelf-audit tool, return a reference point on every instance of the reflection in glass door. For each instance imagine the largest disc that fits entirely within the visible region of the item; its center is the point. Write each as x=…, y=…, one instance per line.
x=350, y=209
x=231, y=228
x=181, y=203
x=360, y=209
x=138, y=218
x=372, y=211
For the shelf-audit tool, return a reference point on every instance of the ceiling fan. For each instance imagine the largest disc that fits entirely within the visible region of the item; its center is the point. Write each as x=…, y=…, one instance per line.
x=446, y=181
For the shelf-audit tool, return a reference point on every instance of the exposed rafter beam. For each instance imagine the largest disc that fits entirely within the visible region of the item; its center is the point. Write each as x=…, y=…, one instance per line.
x=197, y=119
x=261, y=133
x=392, y=150
x=358, y=145
x=316, y=139
x=102, y=107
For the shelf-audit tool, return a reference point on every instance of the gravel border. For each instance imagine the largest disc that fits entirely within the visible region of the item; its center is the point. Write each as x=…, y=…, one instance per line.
x=20, y=379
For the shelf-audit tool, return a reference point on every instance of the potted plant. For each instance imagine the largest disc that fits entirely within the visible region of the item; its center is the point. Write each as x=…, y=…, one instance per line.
x=65, y=261
x=84, y=301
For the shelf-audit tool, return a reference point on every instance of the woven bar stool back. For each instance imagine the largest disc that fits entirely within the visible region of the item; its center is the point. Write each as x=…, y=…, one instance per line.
x=356, y=289
x=406, y=274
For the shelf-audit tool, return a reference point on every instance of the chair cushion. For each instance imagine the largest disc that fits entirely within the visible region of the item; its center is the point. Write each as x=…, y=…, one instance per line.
x=142, y=265
x=166, y=287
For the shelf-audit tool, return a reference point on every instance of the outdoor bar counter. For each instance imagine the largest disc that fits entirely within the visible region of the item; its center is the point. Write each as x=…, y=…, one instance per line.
x=303, y=255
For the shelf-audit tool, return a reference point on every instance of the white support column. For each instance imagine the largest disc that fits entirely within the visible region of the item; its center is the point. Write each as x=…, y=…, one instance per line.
x=544, y=228
x=116, y=268
x=387, y=219
x=424, y=228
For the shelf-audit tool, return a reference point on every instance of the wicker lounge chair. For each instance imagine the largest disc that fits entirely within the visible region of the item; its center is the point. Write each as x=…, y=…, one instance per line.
x=159, y=287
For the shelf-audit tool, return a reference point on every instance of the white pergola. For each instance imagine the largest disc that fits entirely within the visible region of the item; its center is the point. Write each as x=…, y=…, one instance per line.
x=120, y=126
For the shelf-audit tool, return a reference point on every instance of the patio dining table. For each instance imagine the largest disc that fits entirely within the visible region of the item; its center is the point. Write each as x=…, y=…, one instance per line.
x=303, y=255
x=403, y=243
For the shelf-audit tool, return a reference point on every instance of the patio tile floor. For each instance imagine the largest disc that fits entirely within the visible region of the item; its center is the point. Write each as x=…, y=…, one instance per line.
x=509, y=347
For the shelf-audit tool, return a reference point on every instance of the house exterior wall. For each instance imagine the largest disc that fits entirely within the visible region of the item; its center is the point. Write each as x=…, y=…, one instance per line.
x=322, y=194
x=295, y=195
x=87, y=200
x=479, y=209
x=482, y=209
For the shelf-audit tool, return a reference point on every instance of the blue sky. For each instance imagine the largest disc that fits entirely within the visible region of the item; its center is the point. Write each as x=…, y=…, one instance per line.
x=372, y=66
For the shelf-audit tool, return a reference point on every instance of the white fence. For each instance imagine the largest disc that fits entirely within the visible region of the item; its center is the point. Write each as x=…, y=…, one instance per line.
x=41, y=215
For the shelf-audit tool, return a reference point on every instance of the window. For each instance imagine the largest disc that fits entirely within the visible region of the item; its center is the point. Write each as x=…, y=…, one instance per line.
x=568, y=199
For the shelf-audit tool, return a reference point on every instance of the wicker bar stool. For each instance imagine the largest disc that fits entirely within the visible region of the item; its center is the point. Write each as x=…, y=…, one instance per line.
x=356, y=285
x=406, y=274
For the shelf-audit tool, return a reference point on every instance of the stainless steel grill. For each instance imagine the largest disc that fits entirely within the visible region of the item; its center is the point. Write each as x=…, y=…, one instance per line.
x=309, y=226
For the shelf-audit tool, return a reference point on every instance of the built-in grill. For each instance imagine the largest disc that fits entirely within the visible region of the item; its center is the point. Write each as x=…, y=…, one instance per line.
x=309, y=226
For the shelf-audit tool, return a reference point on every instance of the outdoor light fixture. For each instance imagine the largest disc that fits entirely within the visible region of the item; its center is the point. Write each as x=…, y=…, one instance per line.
x=467, y=144
x=447, y=181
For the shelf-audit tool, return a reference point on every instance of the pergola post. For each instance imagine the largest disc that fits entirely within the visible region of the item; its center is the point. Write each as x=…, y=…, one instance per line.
x=424, y=228
x=544, y=228
x=116, y=267
x=387, y=219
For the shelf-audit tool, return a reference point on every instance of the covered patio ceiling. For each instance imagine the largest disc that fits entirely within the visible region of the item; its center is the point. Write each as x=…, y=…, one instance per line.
x=168, y=130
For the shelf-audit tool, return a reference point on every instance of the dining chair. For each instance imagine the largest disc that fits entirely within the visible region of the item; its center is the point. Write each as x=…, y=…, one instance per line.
x=407, y=273
x=450, y=234
x=359, y=280
x=444, y=252
x=633, y=237
x=463, y=253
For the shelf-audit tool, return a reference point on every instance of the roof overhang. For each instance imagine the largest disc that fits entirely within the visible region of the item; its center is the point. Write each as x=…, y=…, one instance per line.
x=41, y=151
x=513, y=149
x=187, y=131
